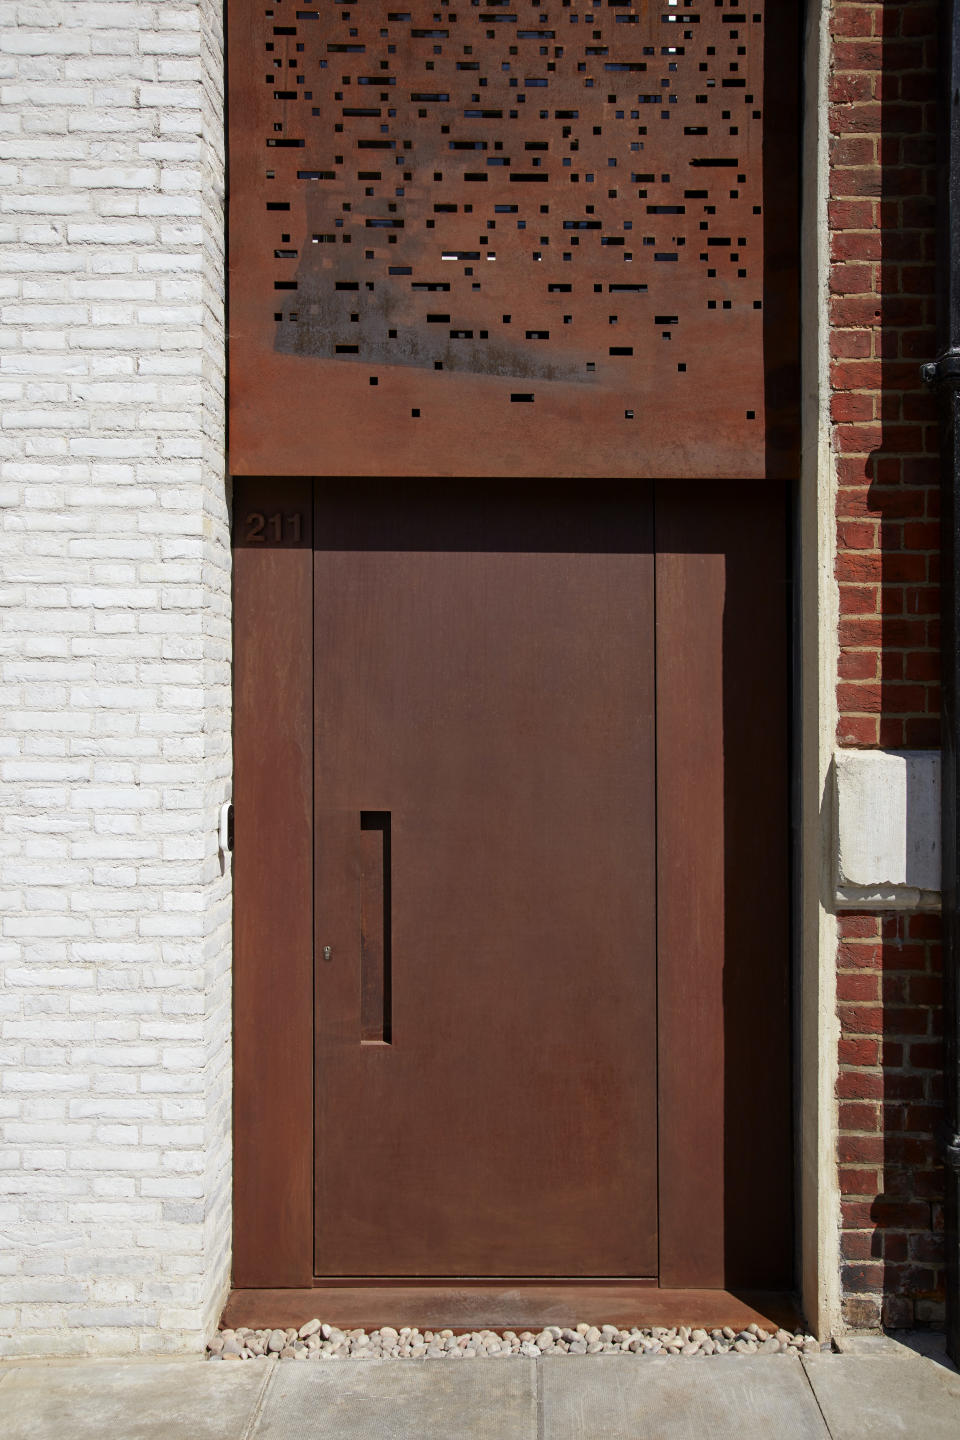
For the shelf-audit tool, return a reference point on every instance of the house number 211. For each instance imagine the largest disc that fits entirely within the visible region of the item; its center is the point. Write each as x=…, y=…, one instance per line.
x=265, y=529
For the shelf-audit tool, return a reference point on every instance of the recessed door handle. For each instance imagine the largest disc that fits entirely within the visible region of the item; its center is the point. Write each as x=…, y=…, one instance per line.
x=375, y=927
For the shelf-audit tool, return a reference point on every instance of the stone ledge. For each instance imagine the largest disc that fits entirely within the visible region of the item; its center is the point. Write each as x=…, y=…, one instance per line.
x=887, y=812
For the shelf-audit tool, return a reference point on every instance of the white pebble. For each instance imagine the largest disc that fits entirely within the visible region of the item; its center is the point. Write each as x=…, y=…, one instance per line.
x=316, y=1340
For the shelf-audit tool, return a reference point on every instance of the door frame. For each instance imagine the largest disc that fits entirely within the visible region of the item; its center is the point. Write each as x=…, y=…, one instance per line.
x=816, y=657
x=691, y=582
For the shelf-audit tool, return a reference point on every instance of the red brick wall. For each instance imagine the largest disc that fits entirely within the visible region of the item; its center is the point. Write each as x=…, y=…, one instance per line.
x=882, y=188
x=891, y=1071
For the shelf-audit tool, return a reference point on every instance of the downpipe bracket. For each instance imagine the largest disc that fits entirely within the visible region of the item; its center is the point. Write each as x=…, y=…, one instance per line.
x=944, y=372
x=951, y=1154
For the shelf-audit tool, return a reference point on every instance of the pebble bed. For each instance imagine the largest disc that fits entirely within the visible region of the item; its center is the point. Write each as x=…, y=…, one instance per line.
x=317, y=1341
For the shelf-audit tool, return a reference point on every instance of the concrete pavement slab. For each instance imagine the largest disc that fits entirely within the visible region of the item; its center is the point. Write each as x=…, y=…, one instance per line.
x=728, y=1397
x=131, y=1400
x=402, y=1400
x=886, y=1396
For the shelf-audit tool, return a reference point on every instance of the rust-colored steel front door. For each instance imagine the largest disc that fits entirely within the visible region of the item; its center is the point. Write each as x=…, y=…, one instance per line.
x=510, y=951
x=485, y=916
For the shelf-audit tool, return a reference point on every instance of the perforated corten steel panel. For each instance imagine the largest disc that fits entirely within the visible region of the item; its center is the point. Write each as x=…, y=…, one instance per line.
x=512, y=238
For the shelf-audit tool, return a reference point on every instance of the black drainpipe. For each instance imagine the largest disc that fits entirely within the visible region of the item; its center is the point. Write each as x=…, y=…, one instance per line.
x=943, y=374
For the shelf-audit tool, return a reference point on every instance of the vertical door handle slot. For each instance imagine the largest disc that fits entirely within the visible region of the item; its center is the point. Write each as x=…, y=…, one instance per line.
x=375, y=927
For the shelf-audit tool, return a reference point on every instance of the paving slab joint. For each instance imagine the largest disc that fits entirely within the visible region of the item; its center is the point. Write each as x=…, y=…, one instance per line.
x=261, y=1400
x=813, y=1391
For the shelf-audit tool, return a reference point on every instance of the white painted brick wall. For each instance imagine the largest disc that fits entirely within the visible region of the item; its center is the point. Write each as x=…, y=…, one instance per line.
x=114, y=678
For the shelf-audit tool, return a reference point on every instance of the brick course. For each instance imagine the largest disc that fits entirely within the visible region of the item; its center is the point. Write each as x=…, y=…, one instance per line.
x=882, y=189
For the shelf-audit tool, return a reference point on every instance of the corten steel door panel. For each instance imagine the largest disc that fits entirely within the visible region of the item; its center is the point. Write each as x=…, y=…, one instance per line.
x=513, y=239
x=485, y=883
x=273, y=882
x=723, y=899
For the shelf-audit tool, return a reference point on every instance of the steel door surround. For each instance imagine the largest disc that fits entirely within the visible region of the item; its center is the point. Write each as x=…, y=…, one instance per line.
x=484, y=730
